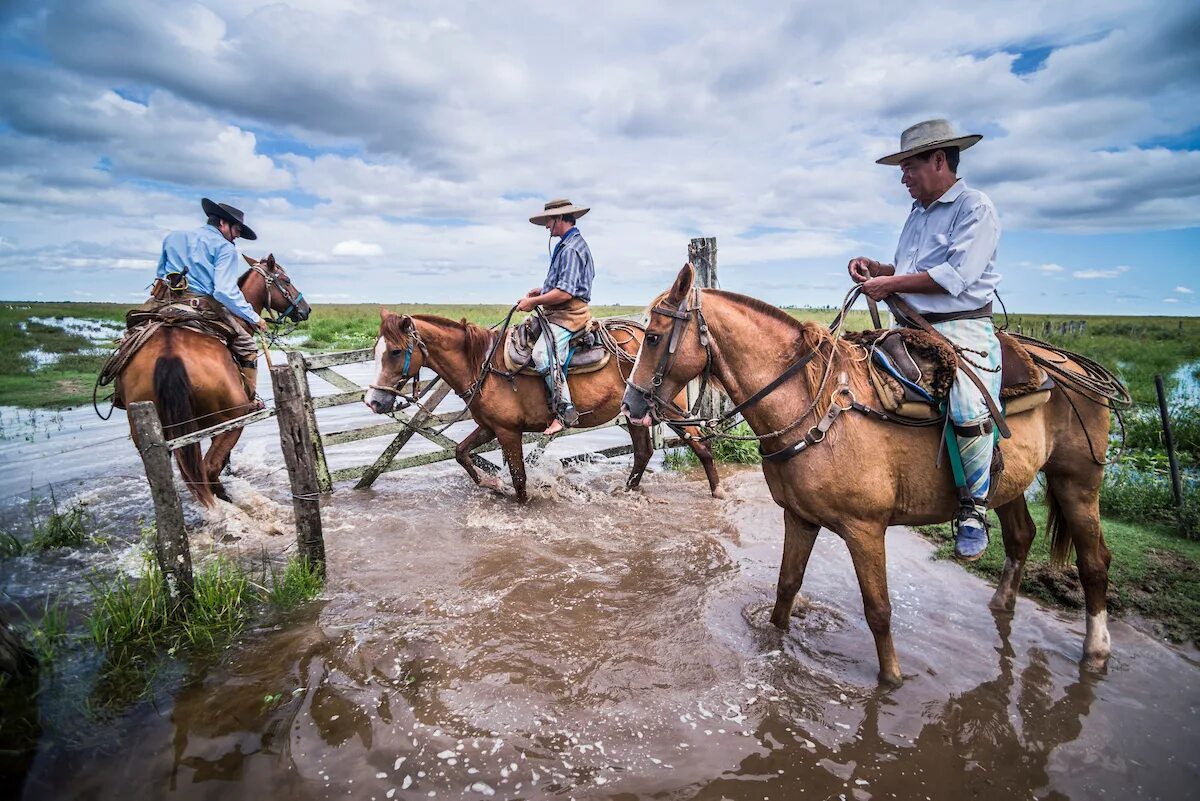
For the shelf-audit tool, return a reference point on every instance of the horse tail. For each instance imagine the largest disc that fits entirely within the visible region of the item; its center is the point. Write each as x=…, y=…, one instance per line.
x=173, y=397
x=1060, y=539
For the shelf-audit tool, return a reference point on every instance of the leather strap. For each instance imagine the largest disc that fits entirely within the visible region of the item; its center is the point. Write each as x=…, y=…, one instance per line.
x=873, y=308
x=900, y=307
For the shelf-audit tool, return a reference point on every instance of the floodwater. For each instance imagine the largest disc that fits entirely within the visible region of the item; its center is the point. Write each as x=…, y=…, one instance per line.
x=594, y=644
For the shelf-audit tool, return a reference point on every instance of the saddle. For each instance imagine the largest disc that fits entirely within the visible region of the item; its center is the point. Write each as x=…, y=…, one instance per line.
x=586, y=354
x=912, y=372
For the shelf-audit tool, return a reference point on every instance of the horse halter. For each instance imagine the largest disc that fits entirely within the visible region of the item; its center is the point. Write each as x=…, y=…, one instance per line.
x=681, y=321
x=413, y=339
x=271, y=280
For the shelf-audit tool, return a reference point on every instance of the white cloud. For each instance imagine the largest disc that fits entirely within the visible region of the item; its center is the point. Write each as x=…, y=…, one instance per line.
x=1183, y=290
x=1170, y=300
x=1051, y=268
x=352, y=247
x=1090, y=274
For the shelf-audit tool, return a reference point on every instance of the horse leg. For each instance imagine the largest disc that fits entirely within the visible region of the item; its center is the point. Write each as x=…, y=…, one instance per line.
x=704, y=454
x=1018, y=530
x=643, y=449
x=798, y=539
x=462, y=454
x=216, y=459
x=510, y=444
x=870, y=565
x=1077, y=502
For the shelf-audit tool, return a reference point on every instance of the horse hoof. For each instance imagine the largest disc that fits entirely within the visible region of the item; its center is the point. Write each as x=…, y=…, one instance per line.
x=890, y=681
x=492, y=483
x=719, y=493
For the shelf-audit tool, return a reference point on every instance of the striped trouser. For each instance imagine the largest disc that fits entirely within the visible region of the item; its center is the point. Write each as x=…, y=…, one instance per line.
x=967, y=406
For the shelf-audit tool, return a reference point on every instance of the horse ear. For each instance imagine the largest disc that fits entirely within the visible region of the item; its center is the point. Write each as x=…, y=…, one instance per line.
x=270, y=261
x=683, y=284
x=384, y=313
x=407, y=325
x=249, y=260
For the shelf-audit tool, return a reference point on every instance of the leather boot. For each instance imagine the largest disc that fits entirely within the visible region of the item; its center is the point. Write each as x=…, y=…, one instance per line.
x=249, y=379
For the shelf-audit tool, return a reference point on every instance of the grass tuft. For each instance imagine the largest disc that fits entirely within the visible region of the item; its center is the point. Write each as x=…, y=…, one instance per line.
x=298, y=583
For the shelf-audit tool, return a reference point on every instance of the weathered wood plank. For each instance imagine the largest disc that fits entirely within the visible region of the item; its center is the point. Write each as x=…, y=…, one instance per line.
x=370, y=472
x=337, y=399
x=220, y=428
x=314, y=361
x=297, y=448
x=337, y=379
x=170, y=537
x=296, y=363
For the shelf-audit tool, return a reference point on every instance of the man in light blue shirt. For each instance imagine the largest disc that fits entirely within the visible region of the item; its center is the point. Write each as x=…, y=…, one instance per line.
x=205, y=262
x=945, y=268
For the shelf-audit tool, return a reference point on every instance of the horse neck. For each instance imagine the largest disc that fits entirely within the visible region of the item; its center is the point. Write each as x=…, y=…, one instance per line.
x=254, y=289
x=750, y=350
x=446, y=342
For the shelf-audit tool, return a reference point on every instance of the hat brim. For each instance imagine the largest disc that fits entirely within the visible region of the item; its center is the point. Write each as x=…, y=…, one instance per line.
x=578, y=211
x=961, y=142
x=214, y=209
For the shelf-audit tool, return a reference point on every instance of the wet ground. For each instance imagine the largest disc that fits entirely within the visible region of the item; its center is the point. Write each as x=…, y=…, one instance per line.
x=596, y=644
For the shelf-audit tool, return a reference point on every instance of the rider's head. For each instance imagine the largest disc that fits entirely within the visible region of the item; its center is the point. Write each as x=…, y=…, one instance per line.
x=559, y=216
x=928, y=158
x=227, y=219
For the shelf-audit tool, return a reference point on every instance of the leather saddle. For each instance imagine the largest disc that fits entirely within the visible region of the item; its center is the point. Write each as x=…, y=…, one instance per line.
x=586, y=352
x=912, y=372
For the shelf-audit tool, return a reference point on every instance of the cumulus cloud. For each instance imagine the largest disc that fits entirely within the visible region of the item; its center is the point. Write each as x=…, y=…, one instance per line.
x=352, y=247
x=1092, y=274
x=1183, y=290
x=1050, y=268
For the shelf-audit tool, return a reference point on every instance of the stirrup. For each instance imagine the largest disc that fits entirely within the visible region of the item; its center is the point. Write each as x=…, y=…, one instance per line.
x=971, y=532
x=568, y=415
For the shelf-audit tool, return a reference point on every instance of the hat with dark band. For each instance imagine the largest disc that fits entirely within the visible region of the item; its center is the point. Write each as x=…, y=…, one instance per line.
x=228, y=214
x=557, y=208
x=926, y=136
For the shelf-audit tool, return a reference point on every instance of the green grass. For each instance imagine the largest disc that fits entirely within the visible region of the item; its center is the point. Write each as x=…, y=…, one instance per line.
x=46, y=635
x=1154, y=573
x=726, y=451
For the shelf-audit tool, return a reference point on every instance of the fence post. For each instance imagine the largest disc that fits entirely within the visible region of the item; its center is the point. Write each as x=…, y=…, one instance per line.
x=702, y=253
x=1169, y=441
x=296, y=442
x=300, y=368
x=170, y=538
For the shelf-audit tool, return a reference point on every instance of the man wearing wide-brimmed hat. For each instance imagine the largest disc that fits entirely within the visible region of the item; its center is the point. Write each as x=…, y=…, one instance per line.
x=204, y=261
x=945, y=267
x=564, y=298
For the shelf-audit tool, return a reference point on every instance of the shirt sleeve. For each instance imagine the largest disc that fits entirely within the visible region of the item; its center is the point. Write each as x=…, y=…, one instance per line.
x=971, y=248
x=161, y=270
x=225, y=287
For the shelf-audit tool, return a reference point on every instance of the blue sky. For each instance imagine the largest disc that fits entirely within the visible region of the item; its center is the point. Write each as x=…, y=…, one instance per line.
x=393, y=154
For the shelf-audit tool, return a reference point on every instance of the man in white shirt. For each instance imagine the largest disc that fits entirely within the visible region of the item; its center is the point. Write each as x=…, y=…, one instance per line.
x=945, y=268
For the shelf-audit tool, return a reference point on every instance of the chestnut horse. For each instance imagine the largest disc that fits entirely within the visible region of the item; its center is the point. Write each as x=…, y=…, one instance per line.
x=862, y=474
x=457, y=351
x=195, y=383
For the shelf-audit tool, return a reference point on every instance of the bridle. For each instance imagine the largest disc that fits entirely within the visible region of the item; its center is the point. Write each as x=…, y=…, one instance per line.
x=414, y=342
x=689, y=308
x=272, y=280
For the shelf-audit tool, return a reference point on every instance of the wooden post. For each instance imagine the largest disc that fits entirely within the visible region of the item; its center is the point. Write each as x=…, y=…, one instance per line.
x=170, y=538
x=1169, y=441
x=296, y=442
x=300, y=368
x=702, y=253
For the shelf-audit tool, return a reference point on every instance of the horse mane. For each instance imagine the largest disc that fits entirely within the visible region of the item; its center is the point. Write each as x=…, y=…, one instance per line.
x=810, y=336
x=477, y=340
x=242, y=278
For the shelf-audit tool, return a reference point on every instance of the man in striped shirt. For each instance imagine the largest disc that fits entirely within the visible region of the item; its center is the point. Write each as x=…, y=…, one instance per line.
x=564, y=297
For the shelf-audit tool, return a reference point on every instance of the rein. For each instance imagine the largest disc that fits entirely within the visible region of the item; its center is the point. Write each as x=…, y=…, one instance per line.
x=281, y=318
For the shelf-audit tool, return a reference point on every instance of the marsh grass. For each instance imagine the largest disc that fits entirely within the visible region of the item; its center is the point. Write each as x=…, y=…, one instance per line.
x=725, y=451
x=298, y=583
x=45, y=634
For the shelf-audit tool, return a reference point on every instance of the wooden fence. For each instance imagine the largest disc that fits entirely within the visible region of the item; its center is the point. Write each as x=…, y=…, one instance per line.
x=304, y=444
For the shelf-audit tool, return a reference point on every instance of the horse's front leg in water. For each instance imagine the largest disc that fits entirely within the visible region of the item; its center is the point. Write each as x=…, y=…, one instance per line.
x=865, y=541
x=514, y=454
x=462, y=454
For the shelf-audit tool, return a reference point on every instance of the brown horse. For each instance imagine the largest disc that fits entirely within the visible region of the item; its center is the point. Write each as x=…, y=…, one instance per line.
x=195, y=383
x=456, y=351
x=865, y=474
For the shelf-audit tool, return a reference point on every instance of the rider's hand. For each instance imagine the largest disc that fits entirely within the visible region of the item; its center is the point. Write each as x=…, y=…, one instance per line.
x=860, y=269
x=878, y=288
x=262, y=325
x=533, y=293
x=526, y=303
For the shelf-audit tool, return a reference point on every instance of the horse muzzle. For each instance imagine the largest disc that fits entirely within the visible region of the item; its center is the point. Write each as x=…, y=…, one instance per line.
x=637, y=409
x=379, y=402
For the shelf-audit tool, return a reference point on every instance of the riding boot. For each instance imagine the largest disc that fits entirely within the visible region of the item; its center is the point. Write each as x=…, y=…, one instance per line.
x=976, y=444
x=249, y=383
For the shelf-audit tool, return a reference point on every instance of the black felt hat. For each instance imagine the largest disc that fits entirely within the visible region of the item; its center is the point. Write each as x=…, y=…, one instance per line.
x=229, y=214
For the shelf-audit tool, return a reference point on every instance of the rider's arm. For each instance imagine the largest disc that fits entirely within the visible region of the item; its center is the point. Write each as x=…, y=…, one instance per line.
x=972, y=245
x=225, y=286
x=552, y=297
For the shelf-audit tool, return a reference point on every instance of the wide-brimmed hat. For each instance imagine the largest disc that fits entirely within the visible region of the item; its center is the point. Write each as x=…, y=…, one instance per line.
x=229, y=214
x=557, y=208
x=926, y=136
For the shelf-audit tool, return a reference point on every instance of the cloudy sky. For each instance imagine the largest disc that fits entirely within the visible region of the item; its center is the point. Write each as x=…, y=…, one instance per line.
x=392, y=152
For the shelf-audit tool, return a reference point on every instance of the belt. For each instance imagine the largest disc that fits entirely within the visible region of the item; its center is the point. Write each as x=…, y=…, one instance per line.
x=933, y=318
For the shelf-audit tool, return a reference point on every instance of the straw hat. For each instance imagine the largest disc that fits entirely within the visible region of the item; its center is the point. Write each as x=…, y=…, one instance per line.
x=557, y=208
x=926, y=136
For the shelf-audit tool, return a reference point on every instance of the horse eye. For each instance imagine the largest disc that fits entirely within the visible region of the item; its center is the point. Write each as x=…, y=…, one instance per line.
x=652, y=339
x=397, y=352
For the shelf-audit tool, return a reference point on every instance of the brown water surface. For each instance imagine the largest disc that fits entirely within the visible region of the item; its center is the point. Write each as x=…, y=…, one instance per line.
x=601, y=645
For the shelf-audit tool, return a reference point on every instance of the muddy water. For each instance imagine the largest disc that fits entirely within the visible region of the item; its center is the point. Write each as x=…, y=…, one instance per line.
x=595, y=644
